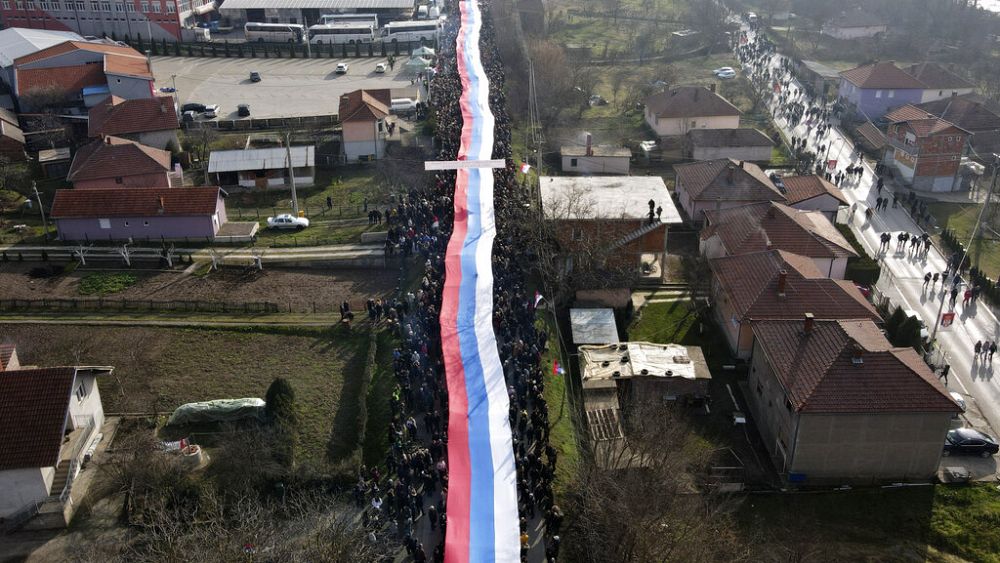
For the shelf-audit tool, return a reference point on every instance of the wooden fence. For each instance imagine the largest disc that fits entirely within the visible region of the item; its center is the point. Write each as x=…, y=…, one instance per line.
x=119, y=305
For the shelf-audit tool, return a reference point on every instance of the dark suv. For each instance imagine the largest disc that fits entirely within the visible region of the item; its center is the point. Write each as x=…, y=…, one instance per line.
x=966, y=441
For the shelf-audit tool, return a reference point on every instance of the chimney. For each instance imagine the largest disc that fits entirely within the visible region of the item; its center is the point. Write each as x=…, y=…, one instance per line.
x=807, y=327
x=590, y=145
x=711, y=87
x=741, y=165
x=162, y=207
x=107, y=140
x=782, y=281
x=731, y=170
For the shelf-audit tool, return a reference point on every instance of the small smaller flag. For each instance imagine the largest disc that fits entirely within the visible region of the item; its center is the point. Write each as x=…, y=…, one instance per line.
x=525, y=167
x=556, y=368
x=538, y=299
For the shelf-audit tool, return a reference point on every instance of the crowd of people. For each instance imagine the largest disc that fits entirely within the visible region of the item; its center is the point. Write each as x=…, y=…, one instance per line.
x=410, y=498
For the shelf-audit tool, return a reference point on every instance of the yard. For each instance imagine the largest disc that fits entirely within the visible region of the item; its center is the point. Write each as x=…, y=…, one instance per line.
x=562, y=410
x=158, y=369
x=961, y=218
x=933, y=523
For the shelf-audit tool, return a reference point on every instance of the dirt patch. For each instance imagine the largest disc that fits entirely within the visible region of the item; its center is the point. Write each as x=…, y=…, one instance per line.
x=300, y=289
x=158, y=369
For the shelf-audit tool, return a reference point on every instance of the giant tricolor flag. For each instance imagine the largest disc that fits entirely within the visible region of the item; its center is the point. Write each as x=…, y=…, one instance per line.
x=482, y=485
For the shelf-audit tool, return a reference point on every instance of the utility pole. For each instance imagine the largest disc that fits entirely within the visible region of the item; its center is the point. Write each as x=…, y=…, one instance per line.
x=291, y=172
x=975, y=231
x=45, y=224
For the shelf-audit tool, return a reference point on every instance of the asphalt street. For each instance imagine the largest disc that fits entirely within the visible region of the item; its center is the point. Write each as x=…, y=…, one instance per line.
x=902, y=278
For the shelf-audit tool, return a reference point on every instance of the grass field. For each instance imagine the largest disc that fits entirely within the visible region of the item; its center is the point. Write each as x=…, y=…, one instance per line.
x=912, y=524
x=162, y=368
x=961, y=218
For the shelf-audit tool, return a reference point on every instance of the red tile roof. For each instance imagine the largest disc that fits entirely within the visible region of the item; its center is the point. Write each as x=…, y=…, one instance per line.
x=871, y=135
x=710, y=180
x=365, y=105
x=116, y=116
x=120, y=157
x=69, y=46
x=6, y=353
x=820, y=374
x=904, y=113
x=768, y=225
x=127, y=65
x=689, y=101
x=881, y=75
x=802, y=188
x=932, y=126
x=70, y=78
x=934, y=75
x=33, y=406
x=969, y=111
x=751, y=283
x=135, y=202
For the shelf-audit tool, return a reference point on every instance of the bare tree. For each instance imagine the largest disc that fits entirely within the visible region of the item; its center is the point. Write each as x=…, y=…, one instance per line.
x=553, y=76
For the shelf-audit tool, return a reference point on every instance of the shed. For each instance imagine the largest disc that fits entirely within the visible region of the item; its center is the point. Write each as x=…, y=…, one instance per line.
x=263, y=168
x=738, y=144
x=593, y=326
x=55, y=162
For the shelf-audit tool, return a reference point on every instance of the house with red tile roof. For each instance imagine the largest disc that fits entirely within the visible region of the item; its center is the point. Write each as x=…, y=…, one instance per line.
x=363, y=114
x=114, y=162
x=854, y=24
x=82, y=72
x=939, y=82
x=686, y=108
x=139, y=213
x=777, y=285
x=775, y=226
x=813, y=193
x=875, y=88
x=836, y=403
x=713, y=185
x=925, y=150
x=149, y=121
x=49, y=419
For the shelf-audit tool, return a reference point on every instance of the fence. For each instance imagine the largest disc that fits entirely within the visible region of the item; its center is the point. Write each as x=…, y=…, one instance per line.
x=277, y=50
x=112, y=305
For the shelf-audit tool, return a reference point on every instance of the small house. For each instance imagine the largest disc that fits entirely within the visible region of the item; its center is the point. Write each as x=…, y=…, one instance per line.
x=855, y=24
x=50, y=418
x=721, y=184
x=264, y=168
x=363, y=115
x=590, y=159
x=813, y=193
x=114, y=162
x=138, y=213
x=55, y=163
x=149, y=121
x=769, y=225
x=835, y=403
x=737, y=144
x=686, y=108
x=939, y=82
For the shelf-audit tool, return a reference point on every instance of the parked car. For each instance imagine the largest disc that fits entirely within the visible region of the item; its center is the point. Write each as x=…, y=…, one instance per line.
x=287, y=221
x=966, y=441
x=726, y=74
x=342, y=68
x=598, y=100
x=168, y=90
x=254, y=76
x=188, y=116
x=211, y=111
x=381, y=68
x=243, y=110
x=193, y=106
x=959, y=399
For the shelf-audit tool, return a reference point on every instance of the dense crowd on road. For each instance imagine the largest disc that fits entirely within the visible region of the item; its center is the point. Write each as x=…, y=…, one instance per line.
x=410, y=498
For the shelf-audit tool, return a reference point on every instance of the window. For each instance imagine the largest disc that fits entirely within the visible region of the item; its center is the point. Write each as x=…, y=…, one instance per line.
x=171, y=8
x=105, y=6
x=892, y=93
x=105, y=223
x=156, y=6
x=577, y=233
x=6, y=4
x=878, y=93
x=81, y=393
x=144, y=6
x=129, y=7
x=694, y=124
x=145, y=223
x=81, y=5
x=572, y=163
x=119, y=8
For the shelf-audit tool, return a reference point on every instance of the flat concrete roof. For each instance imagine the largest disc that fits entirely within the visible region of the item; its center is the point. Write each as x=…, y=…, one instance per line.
x=593, y=326
x=606, y=197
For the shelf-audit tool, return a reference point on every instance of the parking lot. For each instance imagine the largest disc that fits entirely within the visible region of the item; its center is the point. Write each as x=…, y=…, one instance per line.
x=289, y=87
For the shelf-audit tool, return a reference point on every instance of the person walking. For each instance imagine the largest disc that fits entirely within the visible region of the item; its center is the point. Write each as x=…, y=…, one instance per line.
x=993, y=349
x=944, y=373
x=978, y=348
x=954, y=295
x=986, y=350
x=934, y=279
x=927, y=279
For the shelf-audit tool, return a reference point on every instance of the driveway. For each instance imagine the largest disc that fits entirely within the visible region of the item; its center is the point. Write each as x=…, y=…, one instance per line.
x=289, y=87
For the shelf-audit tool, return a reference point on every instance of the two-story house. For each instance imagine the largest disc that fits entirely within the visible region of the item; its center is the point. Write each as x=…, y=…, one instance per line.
x=875, y=88
x=925, y=150
x=836, y=403
x=775, y=226
x=363, y=115
x=150, y=121
x=713, y=185
x=686, y=108
x=114, y=162
x=939, y=82
x=777, y=285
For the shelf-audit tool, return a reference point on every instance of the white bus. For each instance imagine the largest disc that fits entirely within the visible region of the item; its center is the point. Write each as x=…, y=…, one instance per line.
x=411, y=30
x=328, y=19
x=274, y=32
x=337, y=33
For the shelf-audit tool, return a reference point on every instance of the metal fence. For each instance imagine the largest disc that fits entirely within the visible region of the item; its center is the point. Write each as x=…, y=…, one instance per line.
x=254, y=50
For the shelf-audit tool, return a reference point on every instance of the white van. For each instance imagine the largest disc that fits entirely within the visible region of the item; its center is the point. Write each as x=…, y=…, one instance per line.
x=403, y=105
x=422, y=12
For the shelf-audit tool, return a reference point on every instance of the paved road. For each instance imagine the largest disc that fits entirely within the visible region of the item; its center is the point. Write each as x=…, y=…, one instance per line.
x=904, y=284
x=289, y=88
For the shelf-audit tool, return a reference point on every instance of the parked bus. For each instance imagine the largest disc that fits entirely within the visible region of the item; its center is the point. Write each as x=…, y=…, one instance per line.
x=274, y=32
x=337, y=33
x=328, y=19
x=411, y=30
